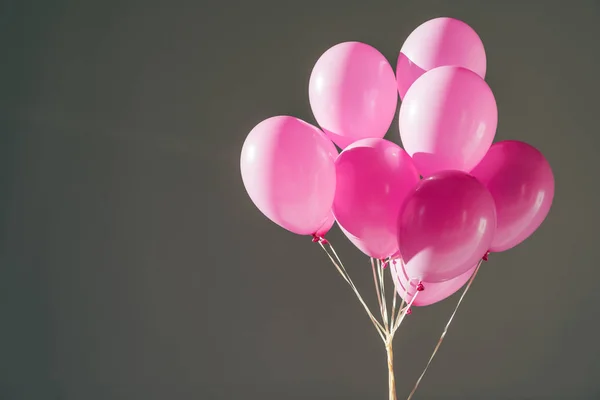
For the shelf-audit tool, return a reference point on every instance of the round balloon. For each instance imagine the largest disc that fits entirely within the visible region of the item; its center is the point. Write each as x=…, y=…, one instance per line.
x=445, y=226
x=374, y=176
x=433, y=292
x=352, y=93
x=521, y=181
x=436, y=43
x=448, y=120
x=288, y=170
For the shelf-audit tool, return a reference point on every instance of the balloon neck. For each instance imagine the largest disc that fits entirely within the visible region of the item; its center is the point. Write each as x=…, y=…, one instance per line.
x=485, y=256
x=420, y=287
x=409, y=311
x=384, y=263
x=319, y=239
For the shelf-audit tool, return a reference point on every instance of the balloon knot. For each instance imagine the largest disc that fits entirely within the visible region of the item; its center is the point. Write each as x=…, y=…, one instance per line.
x=420, y=287
x=384, y=263
x=319, y=239
x=408, y=312
x=485, y=256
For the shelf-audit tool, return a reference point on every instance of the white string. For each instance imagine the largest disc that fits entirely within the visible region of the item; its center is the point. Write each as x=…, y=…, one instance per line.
x=445, y=331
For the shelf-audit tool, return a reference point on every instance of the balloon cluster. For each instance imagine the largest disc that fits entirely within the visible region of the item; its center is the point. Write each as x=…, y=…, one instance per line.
x=431, y=209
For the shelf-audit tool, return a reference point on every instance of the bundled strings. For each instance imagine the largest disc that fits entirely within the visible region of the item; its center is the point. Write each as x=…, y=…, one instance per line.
x=390, y=321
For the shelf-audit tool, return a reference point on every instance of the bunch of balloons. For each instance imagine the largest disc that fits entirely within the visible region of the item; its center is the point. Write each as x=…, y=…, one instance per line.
x=433, y=208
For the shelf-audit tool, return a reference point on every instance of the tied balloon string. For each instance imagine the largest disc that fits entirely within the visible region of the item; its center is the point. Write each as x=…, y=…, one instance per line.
x=439, y=343
x=404, y=311
x=335, y=260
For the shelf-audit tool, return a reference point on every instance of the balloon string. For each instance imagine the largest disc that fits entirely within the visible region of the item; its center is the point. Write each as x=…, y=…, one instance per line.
x=377, y=291
x=445, y=331
x=384, y=314
x=342, y=270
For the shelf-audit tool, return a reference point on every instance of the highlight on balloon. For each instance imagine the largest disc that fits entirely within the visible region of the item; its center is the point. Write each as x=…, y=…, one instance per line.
x=426, y=214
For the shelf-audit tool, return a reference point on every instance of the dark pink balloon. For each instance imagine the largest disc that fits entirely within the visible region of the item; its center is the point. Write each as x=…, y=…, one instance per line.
x=434, y=291
x=521, y=181
x=445, y=226
x=373, y=177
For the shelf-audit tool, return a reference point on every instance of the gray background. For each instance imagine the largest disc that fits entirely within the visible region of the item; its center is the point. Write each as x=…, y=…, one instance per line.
x=134, y=266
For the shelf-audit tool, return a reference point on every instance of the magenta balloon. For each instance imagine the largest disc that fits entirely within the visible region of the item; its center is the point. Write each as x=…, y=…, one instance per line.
x=445, y=226
x=521, y=181
x=436, y=43
x=352, y=92
x=374, y=176
x=434, y=291
x=288, y=170
x=448, y=120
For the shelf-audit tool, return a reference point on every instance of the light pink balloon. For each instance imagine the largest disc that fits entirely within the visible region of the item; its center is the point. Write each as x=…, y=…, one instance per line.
x=448, y=120
x=436, y=43
x=521, y=181
x=327, y=225
x=445, y=226
x=352, y=92
x=374, y=176
x=288, y=170
x=433, y=292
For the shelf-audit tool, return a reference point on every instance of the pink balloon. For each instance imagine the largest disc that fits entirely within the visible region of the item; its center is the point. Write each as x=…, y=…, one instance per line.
x=374, y=176
x=352, y=92
x=288, y=170
x=326, y=227
x=445, y=226
x=448, y=120
x=434, y=291
x=436, y=43
x=521, y=181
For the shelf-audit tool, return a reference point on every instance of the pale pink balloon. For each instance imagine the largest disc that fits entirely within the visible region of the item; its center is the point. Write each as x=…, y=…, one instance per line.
x=352, y=93
x=445, y=226
x=433, y=292
x=288, y=170
x=521, y=181
x=448, y=120
x=436, y=43
x=327, y=225
x=374, y=176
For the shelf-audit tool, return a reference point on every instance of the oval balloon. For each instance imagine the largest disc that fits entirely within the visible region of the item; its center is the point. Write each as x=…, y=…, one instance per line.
x=288, y=170
x=448, y=120
x=352, y=93
x=374, y=176
x=445, y=226
x=521, y=181
x=433, y=292
x=436, y=43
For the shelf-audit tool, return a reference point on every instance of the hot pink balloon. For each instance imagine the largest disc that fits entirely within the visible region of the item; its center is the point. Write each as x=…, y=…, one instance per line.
x=445, y=226
x=352, y=92
x=521, y=181
x=448, y=120
x=374, y=176
x=436, y=43
x=288, y=170
x=433, y=292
